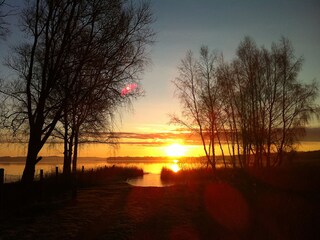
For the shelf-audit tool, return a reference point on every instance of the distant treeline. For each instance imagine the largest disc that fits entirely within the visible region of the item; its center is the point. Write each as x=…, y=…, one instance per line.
x=127, y=159
x=292, y=157
x=48, y=159
x=296, y=157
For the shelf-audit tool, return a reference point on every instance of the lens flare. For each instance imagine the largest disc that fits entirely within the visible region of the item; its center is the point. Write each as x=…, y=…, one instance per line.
x=128, y=89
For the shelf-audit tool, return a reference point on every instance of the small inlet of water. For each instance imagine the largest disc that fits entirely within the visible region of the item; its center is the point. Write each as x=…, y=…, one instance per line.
x=149, y=180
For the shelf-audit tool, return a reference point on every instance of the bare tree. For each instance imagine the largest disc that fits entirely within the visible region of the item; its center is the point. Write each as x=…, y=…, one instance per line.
x=97, y=93
x=255, y=104
x=68, y=41
x=231, y=129
x=296, y=101
x=248, y=74
x=267, y=104
x=196, y=87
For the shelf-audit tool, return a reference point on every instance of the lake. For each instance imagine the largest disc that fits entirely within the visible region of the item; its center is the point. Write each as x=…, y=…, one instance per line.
x=13, y=170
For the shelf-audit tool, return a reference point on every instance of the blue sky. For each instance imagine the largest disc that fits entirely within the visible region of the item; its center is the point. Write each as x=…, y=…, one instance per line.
x=221, y=25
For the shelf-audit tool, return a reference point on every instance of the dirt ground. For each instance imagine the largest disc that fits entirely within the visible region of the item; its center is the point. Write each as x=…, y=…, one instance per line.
x=211, y=210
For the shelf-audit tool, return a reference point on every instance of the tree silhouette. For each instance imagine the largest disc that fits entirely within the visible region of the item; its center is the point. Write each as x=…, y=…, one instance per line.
x=74, y=53
x=255, y=104
x=272, y=105
x=113, y=64
x=196, y=87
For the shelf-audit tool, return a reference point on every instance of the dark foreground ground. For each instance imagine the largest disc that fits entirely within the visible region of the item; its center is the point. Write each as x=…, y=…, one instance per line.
x=233, y=206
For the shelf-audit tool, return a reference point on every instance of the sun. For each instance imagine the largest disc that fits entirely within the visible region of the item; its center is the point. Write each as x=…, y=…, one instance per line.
x=175, y=150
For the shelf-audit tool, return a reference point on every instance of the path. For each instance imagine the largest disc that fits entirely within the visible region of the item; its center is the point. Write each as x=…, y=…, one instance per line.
x=120, y=211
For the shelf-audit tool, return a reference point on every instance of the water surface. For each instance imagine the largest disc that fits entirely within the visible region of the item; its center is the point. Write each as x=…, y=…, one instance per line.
x=13, y=170
x=149, y=180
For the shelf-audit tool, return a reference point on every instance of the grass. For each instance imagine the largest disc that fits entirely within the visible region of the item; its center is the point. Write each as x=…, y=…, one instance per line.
x=186, y=175
x=17, y=198
x=301, y=178
x=105, y=175
x=280, y=203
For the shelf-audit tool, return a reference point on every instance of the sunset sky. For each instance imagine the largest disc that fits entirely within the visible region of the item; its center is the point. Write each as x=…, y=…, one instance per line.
x=187, y=24
x=221, y=25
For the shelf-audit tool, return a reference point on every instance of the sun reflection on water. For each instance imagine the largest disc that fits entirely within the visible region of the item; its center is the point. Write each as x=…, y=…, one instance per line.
x=174, y=166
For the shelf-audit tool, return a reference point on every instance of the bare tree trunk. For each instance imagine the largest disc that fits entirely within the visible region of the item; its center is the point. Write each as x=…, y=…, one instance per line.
x=75, y=152
x=29, y=169
x=66, y=153
x=32, y=159
x=221, y=149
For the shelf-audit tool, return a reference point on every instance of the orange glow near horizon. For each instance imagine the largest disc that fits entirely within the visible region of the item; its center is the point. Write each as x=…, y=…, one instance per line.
x=133, y=150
